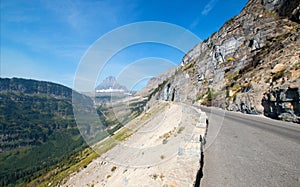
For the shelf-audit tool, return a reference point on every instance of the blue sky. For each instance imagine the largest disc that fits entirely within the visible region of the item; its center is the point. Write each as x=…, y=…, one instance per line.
x=46, y=39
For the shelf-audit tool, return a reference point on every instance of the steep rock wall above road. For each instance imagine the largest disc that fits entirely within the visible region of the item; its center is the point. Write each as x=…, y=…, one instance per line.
x=253, y=54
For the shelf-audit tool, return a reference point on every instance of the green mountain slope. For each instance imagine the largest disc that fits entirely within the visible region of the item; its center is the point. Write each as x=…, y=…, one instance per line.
x=37, y=128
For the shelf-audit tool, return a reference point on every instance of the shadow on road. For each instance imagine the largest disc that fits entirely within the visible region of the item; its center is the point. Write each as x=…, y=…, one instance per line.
x=200, y=171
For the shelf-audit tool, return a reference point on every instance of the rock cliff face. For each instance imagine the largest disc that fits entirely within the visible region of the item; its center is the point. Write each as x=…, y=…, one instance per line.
x=252, y=64
x=155, y=81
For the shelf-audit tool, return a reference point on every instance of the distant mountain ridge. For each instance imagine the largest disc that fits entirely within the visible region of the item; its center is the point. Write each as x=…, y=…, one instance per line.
x=28, y=86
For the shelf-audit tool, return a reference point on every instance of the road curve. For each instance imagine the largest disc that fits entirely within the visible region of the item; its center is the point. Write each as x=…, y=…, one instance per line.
x=250, y=151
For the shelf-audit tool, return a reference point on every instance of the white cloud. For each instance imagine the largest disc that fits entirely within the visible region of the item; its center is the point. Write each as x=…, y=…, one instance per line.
x=195, y=23
x=208, y=7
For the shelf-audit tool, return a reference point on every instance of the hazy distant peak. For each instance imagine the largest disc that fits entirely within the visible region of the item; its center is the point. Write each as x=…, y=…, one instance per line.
x=110, y=83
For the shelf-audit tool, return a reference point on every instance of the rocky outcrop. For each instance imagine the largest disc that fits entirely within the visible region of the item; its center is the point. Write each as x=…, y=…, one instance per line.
x=282, y=103
x=252, y=54
x=155, y=81
x=284, y=8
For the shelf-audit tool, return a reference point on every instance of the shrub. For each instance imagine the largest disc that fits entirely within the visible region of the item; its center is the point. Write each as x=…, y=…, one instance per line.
x=278, y=75
x=232, y=76
x=227, y=93
x=236, y=87
x=165, y=141
x=230, y=59
x=188, y=66
x=113, y=168
x=180, y=130
x=210, y=94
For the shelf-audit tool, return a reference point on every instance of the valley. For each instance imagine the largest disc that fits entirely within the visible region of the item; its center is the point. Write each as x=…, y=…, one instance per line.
x=38, y=129
x=227, y=115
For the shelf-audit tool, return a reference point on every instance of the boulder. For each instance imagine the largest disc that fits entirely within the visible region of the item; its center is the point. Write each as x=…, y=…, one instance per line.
x=278, y=68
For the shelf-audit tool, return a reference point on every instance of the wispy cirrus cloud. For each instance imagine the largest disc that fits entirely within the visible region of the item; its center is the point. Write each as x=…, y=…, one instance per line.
x=195, y=23
x=209, y=6
x=53, y=35
x=83, y=15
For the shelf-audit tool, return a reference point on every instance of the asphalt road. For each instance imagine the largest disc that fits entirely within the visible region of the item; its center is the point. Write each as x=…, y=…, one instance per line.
x=246, y=150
